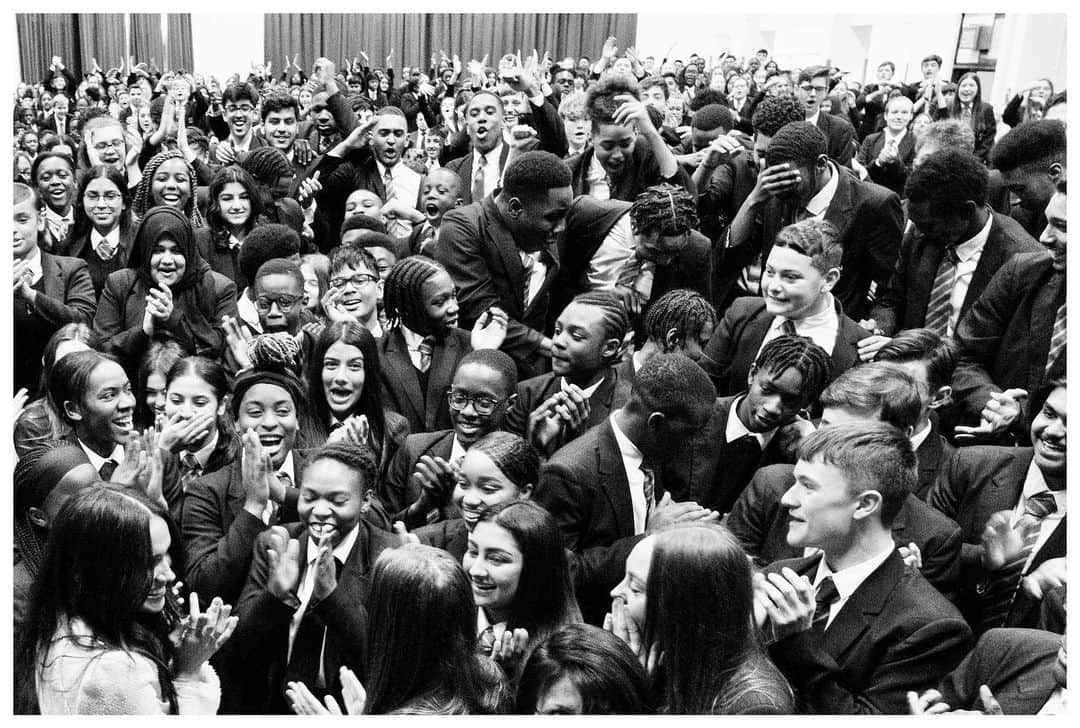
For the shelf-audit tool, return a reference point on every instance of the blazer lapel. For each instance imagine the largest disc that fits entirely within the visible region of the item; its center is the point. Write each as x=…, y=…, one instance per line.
x=613, y=480
x=508, y=251
x=839, y=210
x=863, y=606
x=552, y=263
x=440, y=375
x=992, y=258
x=397, y=355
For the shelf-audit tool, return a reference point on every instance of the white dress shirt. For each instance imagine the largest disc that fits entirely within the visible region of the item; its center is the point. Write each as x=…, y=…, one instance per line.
x=492, y=173
x=632, y=460
x=413, y=341
x=597, y=179
x=117, y=456
x=822, y=328
x=968, y=254
x=1035, y=483
x=819, y=203
x=246, y=311
x=734, y=429
x=589, y=391
x=919, y=437
x=33, y=261
x=848, y=580
x=536, y=278
x=307, y=586
x=288, y=468
x=406, y=184
x=112, y=238
x=607, y=262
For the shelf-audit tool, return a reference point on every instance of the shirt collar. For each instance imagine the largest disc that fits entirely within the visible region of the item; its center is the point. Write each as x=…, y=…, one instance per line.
x=33, y=260
x=117, y=455
x=1035, y=483
x=818, y=320
x=457, y=450
x=288, y=467
x=898, y=137
x=849, y=579
x=412, y=339
x=813, y=119
x=589, y=391
x=55, y=217
x=383, y=169
x=627, y=448
x=819, y=203
x=341, y=551
x=202, y=455
x=919, y=437
x=491, y=156
x=734, y=429
x=113, y=237
x=973, y=245
x=245, y=309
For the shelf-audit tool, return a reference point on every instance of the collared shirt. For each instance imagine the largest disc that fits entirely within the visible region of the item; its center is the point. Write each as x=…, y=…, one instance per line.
x=894, y=138
x=597, y=179
x=734, y=429
x=112, y=238
x=1057, y=703
x=234, y=242
x=813, y=119
x=457, y=451
x=589, y=391
x=632, y=460
x=202, y=455
x=288, y=468
x=492, y=173
x=53, y=220
x=406, y=188
x=822, y=328
x=412, y=342
x=968, y=254
x=117, y=456
x=638, y=361
x=539, y=273
x=848, y=580
x=820, y=202
x=920, y=437
x=33, y=262
x=1035, y=483
x=246, y=311
x=307, y=581
x=241, y=145
x=607, y=262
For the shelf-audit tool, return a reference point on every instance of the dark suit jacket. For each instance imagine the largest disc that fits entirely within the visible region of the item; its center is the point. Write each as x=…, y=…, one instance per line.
x=256, y=669
x=903, y=303
x=452, y=536
x=711, y=471
x=934, y=454
x=222, y=258
x=871, y=225
x=65, y=295
x=840, y=135
x=479, y=251
x=584, y=486
x=610, y=395
x=893, y=174
x=426, y=410
x=641, y=171
x=219, y=534
x=895, y=633
x=1016, y=664
x=1004, y=337
x=760, y=523
x=397, y=491
x=976, y=483
x=734, y=346
x=463, y=168
x=80, y=247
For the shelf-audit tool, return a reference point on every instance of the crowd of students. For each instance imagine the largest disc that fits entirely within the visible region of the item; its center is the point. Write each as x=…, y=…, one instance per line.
x=624, y=386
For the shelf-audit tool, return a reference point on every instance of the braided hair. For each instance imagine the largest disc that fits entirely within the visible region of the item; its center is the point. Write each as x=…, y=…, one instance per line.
x=616, y=319
x=29, y=481
x=512, y=455
x=144, y=200
x=403, y=294
x=681, y=309
x=664, y=207
x=278, y=351
x=801, y=354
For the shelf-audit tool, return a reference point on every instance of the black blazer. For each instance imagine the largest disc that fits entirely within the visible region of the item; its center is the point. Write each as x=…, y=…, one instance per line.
x=584, y=486
x=219, y=534
x=871, y=225
x=80, y=247
x=397, y=491
x=734, y=346
x=479, y=251
x=463, y=168
x=895, y=633
x=641, y=171
x=255, y=669
x=610, y=395
x=840, y=135
x=760, y=523
x=452, y=536
x=65, y=295
x=976, y=483
x=1005, y=336
x=903, y=303
x=222, y=258
x=894, y=174
x=1016, y=664
x=426, y=410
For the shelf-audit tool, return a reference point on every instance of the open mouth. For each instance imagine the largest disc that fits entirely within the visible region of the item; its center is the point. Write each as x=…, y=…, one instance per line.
x=124, y=423
x=321, y=529
x=351, y=304
x=1052, y=448
x=431, y=209
x=270, y=441
x=339, y=394
x=170, y=198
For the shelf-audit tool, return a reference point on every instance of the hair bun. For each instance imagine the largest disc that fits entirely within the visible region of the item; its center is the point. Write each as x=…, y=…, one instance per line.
x=279, y=352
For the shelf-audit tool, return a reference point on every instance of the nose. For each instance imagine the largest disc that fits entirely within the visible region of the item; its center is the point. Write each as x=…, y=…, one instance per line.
x=275, y=309
x=559, y=226
x=478, y=568
x=339, y=375
x=1056, y=429
x=788, y=500
x=1048, y=235
x=127, y=400
x=772, y=404
x=163, y=574
x=771, y=283
x=452, y=305
x=472, y=499
x=617, y=592
x=268, y=421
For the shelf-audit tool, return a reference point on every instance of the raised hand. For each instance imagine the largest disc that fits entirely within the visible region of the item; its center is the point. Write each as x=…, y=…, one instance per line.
x=619, y=622
x=238, y=339
x=436, y=479
x=610, y=49
x=509, y=645
x=354, y=696
x=789, y=601
x=489, y=331
x=1001, y=542
x=1050, y=575
x=304, y=154
x=309, y=186
x=325, y=570
x=355, y=429
x=999, y=413
x=632, y=110
x=911, y=555
x=667, y=512
x=255, y=474
x=721, y=149
x=180, y=432
x=200, y=634
x=283, y=554
x=19, y=404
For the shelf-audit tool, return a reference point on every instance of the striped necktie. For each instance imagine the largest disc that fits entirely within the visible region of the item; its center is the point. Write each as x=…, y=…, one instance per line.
x=999, y=591
x=388, y=186
x=939, y=307
x=1057, y=339
x=648, y=485
x=478, y=178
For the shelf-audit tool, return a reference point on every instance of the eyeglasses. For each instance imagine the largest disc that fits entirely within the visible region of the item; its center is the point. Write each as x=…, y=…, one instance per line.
x=816, y=89
x=483, y=405
x=114, y=144
x=245, y=108
x=357, y=280
x=285, y=302
x=108, y=196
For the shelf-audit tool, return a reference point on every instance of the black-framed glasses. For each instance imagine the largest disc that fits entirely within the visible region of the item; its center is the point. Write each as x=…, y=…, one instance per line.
x=816, y=89
x=243, y=108
x=284, y=302
x=357, y=279
x=107, y=196
x=111, y=144
x=483, y=404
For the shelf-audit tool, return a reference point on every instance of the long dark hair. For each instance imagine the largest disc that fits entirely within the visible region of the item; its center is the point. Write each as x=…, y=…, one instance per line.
x=118, y=178
x=371, y=403
x=421, y=632
x=700, y=609
x=956, y=107
x=544, y=599
x=98, y=567
x=224, y=176
x=214, y=375
x=160, y=357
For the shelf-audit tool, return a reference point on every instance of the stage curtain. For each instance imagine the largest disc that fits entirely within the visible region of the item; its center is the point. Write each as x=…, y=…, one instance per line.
x=101, y=36
x=414, y=37
x=42, y=36
x=146, y=42
x=179, y=51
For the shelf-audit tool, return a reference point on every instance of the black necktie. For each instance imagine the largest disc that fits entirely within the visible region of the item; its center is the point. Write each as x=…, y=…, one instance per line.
x=788, y=327
x=827, y=595
x=107, y=469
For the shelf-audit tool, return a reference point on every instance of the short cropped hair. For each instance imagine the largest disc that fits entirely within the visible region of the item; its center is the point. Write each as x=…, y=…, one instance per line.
x=240, y=92
x=675, y=386
x=279, y=102
x=818, y=240
x=353, y=256
x=872, y=456
x=880, y=388
x=948, y=179
x=600, y=103
x=811, y=72
x=497, y=361
x=265, y=242
x=800, y=143
x=534, y=173
x=1041, y=141
x=939, y=353
x=713, y=116
x=279, y=266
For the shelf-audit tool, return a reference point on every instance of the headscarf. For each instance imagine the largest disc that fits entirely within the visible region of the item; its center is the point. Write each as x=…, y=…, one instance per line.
x=163, y=221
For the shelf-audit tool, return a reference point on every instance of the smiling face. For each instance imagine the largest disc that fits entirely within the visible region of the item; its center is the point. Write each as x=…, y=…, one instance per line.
x=162, y=574
x=28, y=224
x=360, y=289
x=631, y=591
x=104, y=415
x=103, y=203
x=240, y=114
x=167, y=262
x=235, y=205
x=898, y=114
x=1054, y=236
x=56, y=183
x=279, y=127
x=343, y=378
x=494, y=563
x=109, y=145
x=792, y=286
x=477, y=380
x=188, y=396
x=578, y=344
x=270, y=411
x=537, y=220
x=821, y=507
x=481, y=486
x=171, y=184
x=967, y=90
x=333, y=498
x=439, y=296
x=1048, y=436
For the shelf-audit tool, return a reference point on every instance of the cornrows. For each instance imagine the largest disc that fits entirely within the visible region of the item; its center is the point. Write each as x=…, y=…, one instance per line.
x=801, y=354
x=403, y=294
x=667, y=208
x=681, y=309
x=616, y=318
